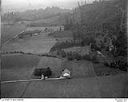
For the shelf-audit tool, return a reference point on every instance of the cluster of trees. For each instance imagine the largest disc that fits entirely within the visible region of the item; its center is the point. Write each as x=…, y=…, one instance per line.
x=102, y=25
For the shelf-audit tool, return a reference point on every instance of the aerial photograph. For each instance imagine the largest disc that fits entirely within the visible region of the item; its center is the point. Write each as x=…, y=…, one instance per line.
x=64, y=49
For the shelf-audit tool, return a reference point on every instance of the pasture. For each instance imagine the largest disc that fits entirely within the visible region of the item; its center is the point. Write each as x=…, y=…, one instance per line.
x=16, y=67
x=36, y=44
x=9, y=31
x=83, y=84
x=93, y=87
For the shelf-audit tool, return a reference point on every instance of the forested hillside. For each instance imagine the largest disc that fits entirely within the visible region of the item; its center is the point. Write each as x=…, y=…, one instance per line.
x=102, y=25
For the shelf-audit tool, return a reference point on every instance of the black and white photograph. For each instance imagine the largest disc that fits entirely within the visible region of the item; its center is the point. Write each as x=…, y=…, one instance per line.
x=64, y=49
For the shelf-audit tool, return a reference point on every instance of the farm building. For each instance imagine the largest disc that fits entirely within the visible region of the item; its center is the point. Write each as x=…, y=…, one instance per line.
x=29, y=33
x=54, y=28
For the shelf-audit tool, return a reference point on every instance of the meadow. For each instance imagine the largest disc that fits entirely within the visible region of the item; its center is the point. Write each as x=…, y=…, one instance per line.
x=9, y=31
x=83, y=84
x=16, y=67
x=36, y=44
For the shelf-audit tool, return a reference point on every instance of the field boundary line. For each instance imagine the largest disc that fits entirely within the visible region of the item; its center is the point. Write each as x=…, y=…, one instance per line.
x=14, y=81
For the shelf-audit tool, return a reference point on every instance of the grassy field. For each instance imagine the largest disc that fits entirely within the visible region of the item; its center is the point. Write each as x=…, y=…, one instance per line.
x=37, y=44
x=13, y=90
x=83, y=84
x=102, y=87
x=102, y=70
x=8, y=31
x=18, y=66
x=62, y=36
x=74, y=87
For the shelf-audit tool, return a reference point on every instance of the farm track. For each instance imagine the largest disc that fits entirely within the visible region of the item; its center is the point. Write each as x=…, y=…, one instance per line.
x=14, y=37
x=10, y=32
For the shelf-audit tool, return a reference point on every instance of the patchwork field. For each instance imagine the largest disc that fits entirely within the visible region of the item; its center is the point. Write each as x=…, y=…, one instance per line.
x=85, y=82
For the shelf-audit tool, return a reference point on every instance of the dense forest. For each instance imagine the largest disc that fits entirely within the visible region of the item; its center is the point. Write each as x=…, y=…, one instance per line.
x=102, y=25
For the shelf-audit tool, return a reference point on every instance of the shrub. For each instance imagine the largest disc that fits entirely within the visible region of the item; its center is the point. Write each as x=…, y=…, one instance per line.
x=29, y=53
x=121, y=63
x=63, y=54
x=21, y=52
x=63, y=45
x=86, y=57
x=14, y=52
x=70, y=56
x=106, y=64
x=77, y=56
x=94, y=59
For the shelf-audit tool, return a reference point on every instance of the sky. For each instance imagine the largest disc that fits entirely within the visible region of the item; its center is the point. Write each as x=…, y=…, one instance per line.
x=21, y=5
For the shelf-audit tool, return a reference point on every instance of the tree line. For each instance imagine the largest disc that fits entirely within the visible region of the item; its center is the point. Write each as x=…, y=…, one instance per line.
x=101, y=24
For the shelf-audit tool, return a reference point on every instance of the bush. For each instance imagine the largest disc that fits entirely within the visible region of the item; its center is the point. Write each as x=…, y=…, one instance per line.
x=70, y=56
x=119, y=62
x=21, y=52
x=77, y=56
x=63, y=54
x=86, y=57
x=94, y=59
x=106, y=64
x=63, y=45
x=29, y=53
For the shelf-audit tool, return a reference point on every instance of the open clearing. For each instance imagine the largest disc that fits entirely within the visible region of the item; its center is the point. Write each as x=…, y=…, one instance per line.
x=84, y=82
x=9, y=31
x=18, y=66
x=78, y=88
x=36, y=44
